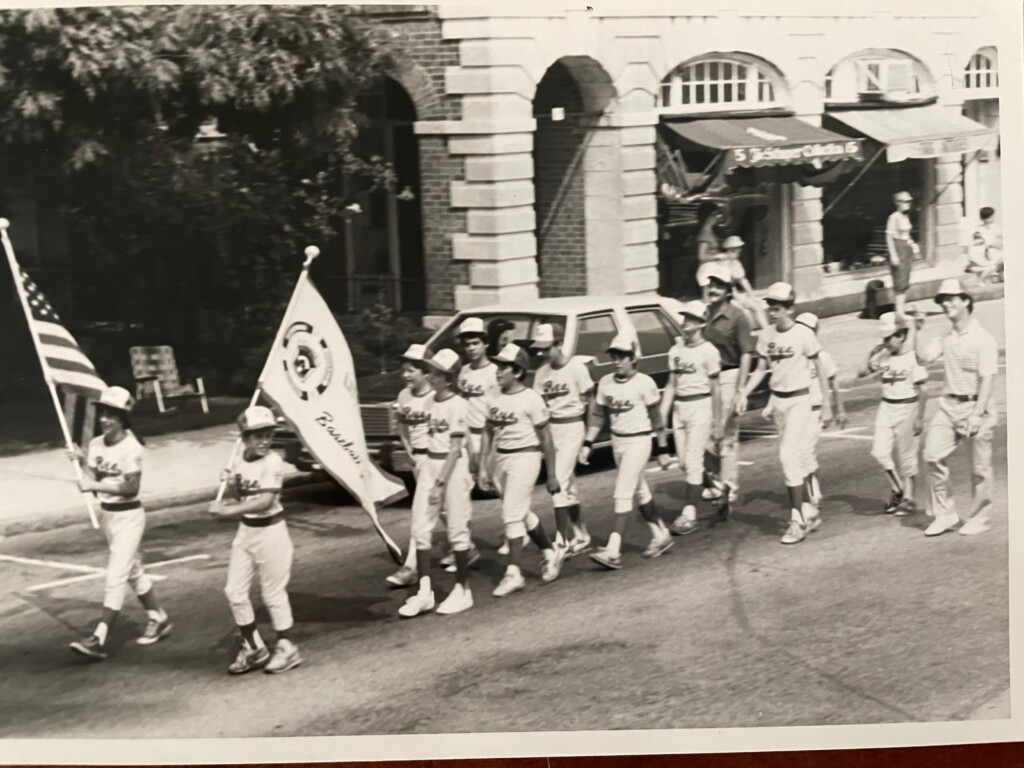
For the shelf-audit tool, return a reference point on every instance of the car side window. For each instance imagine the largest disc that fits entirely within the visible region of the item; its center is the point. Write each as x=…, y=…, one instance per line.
x=653, y=329
x=594, y=334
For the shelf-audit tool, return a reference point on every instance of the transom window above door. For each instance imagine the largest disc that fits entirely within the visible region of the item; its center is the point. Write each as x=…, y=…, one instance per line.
x=720, y=83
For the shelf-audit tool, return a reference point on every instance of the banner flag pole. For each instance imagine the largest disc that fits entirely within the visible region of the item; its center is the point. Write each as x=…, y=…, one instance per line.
x=69, y=443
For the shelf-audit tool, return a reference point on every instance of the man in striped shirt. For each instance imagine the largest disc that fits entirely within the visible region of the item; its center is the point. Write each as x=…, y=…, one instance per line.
x=970, y=356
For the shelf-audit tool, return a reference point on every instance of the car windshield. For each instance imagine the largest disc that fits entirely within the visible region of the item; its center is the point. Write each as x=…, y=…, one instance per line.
x=502, y=328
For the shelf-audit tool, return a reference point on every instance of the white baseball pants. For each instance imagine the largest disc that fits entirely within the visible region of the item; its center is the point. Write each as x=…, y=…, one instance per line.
x=123, y=531
x=813, y=438
x=894, y=428
x=730, y=446
x=631, y=456
x=456, y=503
x=691, y=430
x=568, y=439
x=516, y=475
x=794, y=419
x=266, y=554
x=942, y=439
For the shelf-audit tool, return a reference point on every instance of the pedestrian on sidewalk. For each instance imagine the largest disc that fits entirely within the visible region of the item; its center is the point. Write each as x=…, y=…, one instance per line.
x=516, y=438
x=789, y=349
x=262, y=549
x=691, y=405
x=113, y=469
x=899, y=420
x=567, y=388
x=811, y=483
x=629, y=401
x=985, y=256
x=410, y=409
x=971, y=359
x=729, y=329
x=443, y=479
x=901, y=248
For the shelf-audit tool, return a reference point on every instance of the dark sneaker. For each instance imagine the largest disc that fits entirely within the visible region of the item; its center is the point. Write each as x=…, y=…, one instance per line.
x=248, y=659
x=90, y=647
x=894, y=503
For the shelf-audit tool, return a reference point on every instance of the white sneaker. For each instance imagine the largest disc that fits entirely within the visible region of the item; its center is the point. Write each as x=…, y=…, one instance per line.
x=403, y=577
x=578, y=545
x=975, y=525
x=794, y=534
x=683, y=525
x=510, y=582
x=421, y=602
x=459, y=599
x=553, y=559
x=711, y=494
x=942, y=524
x=286, y=656
x=659, y=545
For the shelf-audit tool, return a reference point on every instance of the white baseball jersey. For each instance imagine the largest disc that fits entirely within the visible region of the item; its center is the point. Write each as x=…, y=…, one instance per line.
x=411, y=411
x=255, y=477
x=515, y=419
x=564, y=389
x=626, y=402
x=817, y=390
x=787, y=353
x=694, y=368
x=476, y=385
x=123, y=458
x=900, y=376
x=448, y=419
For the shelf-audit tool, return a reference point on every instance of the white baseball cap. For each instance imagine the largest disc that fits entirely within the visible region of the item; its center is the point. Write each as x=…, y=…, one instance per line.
x=950, y=287
x=117, y=398
x=512, y=354
x=887, y=325
x=546, y=334
x=696, y=309
x=781, y=292
x=415, y=353
x=256, y=417
x=732, y=241
x=623, y=343
x=472, y=325
x=445, y=361
x=809, y=319
x=716, y=270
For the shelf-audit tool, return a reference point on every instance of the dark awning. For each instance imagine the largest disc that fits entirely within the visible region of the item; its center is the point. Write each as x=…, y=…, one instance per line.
x=759, y=142
x=918, y=132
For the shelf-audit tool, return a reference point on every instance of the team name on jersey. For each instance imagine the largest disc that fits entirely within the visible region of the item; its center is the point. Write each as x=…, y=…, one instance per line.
x=247, y=486
x=894, y=375
x=552, y=390
x=439, y=426
x=501, y=418
x=614, y=405
x=411, y=417
x=106, y=469
x=467, y=389
x=678, y=366
x=778, y=352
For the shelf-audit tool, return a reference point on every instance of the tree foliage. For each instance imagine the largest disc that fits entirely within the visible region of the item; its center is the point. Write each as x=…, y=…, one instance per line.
x=199, y=239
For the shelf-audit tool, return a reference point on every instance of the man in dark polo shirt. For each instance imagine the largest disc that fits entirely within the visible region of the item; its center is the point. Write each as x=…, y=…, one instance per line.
x=728, y=328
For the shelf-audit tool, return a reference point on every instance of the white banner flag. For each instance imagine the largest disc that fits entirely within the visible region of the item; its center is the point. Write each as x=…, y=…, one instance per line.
x=310, y=378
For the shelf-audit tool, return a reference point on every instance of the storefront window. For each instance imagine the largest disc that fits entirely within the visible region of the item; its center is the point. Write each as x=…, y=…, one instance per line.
x=854, y=228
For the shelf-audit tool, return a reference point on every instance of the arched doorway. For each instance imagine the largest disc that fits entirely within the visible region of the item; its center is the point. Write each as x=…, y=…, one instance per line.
x=379, y=259
x=571, y=96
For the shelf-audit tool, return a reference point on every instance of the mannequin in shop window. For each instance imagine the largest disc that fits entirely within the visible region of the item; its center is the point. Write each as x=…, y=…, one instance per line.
x=902, y=249
x=985, y=256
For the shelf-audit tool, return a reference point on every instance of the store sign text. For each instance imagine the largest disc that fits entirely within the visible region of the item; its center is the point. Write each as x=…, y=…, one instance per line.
x=806, y=153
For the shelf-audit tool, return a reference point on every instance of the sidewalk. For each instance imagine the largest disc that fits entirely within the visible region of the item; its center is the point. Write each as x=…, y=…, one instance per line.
x=39, y=491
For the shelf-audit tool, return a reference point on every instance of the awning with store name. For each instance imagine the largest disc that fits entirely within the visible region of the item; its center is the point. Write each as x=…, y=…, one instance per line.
x=918, y=132
x=760, y=142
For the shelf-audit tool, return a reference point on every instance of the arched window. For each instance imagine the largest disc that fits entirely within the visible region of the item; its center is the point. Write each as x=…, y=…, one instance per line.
x=720, y=82
x=878, y=75
x=982, y=71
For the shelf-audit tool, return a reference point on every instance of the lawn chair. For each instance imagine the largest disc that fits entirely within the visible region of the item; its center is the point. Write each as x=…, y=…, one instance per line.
x=156, y=374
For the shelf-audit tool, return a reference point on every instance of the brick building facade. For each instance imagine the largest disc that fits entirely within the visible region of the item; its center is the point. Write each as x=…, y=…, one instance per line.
x=538, y=138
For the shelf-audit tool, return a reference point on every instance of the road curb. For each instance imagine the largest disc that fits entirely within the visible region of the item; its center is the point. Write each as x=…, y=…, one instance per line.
x=163, y=509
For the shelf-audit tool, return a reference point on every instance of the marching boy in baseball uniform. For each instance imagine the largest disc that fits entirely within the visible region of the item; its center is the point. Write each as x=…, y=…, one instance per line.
x=566, y=386
x=900, y=417
x=788, y=348
x=630, y=402
x=444, y=481
x=262, y=548
x=411, y=414
x=971, y=358
x=113, y=471
x=691, y=403
x=811, y=484
x=517, y=436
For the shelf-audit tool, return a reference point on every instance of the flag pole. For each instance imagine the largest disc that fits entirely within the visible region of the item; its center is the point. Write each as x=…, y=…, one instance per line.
x=311, y=253
x=15, y=273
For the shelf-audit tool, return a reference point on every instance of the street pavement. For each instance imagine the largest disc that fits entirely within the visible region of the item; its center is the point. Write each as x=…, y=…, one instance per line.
x=867, y=621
